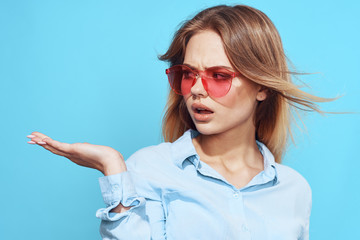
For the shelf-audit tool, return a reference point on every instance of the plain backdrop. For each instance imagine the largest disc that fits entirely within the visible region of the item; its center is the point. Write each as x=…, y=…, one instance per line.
x=87, y=71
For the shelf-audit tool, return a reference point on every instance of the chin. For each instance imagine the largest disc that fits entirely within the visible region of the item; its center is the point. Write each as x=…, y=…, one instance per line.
x=207, y=129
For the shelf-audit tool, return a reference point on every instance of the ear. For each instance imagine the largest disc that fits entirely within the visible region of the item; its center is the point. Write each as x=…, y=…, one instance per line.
x=262, y=94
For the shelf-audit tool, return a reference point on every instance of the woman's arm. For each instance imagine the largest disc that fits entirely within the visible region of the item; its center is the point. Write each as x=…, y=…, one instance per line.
x=127, y=215
x=145, y=217
x=131, y=222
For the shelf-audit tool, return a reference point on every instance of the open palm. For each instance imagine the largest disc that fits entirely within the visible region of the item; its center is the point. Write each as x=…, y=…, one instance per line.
x=103, y=158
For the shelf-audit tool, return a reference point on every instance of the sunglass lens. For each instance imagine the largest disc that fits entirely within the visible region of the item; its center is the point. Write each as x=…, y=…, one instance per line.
x=174, y=77
x=181, y=79
x=218, y=82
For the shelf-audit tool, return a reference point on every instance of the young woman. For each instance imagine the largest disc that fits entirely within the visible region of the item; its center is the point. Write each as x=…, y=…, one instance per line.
x=219, y=175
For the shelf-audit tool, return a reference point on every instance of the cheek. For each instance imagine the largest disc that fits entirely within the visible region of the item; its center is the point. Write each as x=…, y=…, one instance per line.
x=233, y=98
x=228, y=100
x=239, y=99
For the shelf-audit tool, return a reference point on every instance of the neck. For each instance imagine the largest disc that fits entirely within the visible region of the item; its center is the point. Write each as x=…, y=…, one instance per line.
x=235, y=148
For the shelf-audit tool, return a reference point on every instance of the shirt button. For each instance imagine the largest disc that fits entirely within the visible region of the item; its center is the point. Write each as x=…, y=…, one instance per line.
x=115, y=187
x=244, y=228
x=236, y=195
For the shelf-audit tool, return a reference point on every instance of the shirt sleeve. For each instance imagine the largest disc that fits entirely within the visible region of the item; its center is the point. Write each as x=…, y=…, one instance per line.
x=143, y=221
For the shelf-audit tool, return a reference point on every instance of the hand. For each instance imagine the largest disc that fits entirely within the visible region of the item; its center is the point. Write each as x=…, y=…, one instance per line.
x=103, y=158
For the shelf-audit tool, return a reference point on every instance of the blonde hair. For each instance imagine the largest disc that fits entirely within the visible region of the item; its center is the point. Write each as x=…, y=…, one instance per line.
x=254, y=48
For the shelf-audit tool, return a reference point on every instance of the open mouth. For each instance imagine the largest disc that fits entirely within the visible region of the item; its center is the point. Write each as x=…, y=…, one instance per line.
x=203, y=111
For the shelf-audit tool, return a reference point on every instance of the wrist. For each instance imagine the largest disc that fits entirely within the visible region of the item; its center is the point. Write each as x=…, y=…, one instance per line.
x=114, y=168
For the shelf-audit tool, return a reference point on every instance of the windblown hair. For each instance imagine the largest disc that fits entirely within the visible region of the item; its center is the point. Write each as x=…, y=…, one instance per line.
x=254, y=48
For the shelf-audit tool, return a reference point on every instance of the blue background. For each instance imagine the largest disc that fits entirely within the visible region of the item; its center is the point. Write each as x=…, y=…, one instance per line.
x=87, y=71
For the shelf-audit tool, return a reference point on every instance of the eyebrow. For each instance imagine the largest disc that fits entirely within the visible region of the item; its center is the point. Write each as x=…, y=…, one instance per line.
x=220, y=66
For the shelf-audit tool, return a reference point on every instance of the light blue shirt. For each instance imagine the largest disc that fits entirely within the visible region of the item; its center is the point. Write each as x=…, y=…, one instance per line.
x=176, y=196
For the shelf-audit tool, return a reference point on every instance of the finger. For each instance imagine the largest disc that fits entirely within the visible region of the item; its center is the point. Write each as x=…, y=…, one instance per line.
x=36, y=138
x=60, y=146
x=37, y=134
x=55, y=151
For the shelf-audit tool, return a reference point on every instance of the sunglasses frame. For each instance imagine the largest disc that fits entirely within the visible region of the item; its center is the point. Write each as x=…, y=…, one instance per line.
x=202, y=75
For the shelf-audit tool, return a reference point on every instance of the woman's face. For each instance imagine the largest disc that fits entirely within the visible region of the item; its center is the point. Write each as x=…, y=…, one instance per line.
x=235, y=110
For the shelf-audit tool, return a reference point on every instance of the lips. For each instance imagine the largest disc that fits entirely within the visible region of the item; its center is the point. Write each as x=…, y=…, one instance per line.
x=201, y=112
x=201, y=108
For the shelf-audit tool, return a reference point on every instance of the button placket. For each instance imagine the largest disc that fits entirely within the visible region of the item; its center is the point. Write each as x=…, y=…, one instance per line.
x=236, y=210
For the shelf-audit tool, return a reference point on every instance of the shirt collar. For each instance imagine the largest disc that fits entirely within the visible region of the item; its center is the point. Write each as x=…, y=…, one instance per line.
x=183, y=149
x=270, y=171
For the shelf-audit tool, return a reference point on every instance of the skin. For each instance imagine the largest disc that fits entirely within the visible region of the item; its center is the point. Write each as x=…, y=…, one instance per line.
x=227, y=140
x=105, y=159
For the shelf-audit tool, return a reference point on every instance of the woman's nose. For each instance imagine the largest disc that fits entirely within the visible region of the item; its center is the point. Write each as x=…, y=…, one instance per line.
x=198, y=88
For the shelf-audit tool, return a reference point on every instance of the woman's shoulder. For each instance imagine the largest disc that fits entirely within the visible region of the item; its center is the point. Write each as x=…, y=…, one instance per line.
x=286, y=176
x=150, y=156
x=165, y=155
x=153, y=168
x=289, y=176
